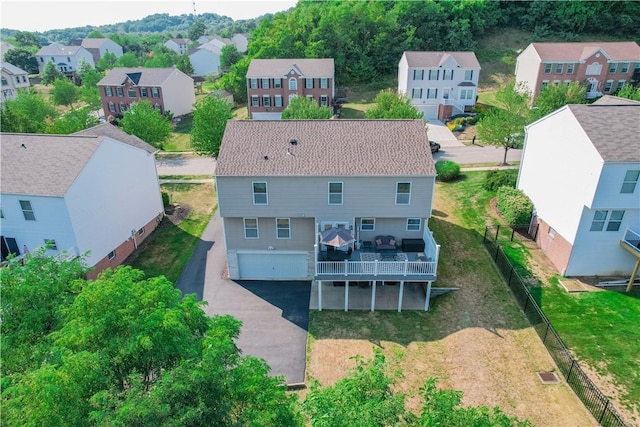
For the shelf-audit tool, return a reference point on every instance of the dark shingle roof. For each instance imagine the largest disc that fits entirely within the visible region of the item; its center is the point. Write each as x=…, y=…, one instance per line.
x=618, y=51
x=148, y=77
x=615, y=100
x=612, y=129
x=325, y=148
x=435, y=59
x=94, y=43
x=309, y=67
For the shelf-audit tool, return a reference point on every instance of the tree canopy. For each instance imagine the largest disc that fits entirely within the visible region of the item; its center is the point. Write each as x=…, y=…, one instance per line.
x=23, y=59
x=555, y=96
x=64, y=92
x=391, y=105
x=301, y=107
x=629, y=92
x=229, y=55
x=210, y=116
x=50, y=73
x=147, y=123
x=30, y=112
x=235, y=80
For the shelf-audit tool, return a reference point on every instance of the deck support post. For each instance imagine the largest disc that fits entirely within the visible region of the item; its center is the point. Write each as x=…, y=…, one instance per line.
x=319, y=295
x=373, y=296
x=346, y=296
x=633, y=275
x=427, y=296
x=400, y=294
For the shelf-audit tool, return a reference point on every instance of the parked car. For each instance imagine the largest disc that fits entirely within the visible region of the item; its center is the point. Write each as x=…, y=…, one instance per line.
x=435, y=147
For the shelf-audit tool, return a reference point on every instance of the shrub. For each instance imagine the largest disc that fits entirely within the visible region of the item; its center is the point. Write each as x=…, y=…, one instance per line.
x=500, y=178
x=447, y=170
x=514, y=205
x=166, y=200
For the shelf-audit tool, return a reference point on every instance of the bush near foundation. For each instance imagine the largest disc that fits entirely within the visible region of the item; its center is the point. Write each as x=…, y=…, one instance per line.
x=514, y=205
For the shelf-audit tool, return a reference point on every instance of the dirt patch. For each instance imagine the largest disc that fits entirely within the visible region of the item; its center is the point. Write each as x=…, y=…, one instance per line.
x=176, y=213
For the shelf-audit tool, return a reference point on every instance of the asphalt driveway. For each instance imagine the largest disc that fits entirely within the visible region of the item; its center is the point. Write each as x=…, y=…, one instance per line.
x=274, y=315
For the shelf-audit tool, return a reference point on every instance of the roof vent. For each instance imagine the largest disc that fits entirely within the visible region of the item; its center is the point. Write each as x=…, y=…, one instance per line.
x=23, y=146
x=266, y=157
x=293, y=141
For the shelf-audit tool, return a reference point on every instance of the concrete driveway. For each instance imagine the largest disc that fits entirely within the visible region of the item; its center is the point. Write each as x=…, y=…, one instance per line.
x=274, y=315
x=440, y=133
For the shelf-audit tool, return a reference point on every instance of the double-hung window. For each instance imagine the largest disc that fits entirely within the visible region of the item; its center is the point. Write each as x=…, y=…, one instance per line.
x=112, y=107
x=277, y=101
x=335, y=193
x=260, y=193
x=468, y=75
x=27, y=210
x=250, y=228
x=324, y=83
x=131, y=92
x=108, y=91
x=143, y=92
x=432, y=93
x=416, y=93
x=624, y=68
x=559, y=68
x=466, y=93
x=255, y=102
x=277, y=83
x=620, y=84
x=607, y=86
x=308, y=83
x=324, y=100
x=418, y=74
x=434, y=74
x=413, y=224
x=283, y=228
x=403, y=193
x=605, y=220
x=293, y=83
x=265, y=83
x=447, y=74
x=266, y=101
x=547, y=68
x=613, y=67
x=155, y=93
x=630, y=181
x=368, y=224
x=119, y=91
x=253, y=83
x=570, y=68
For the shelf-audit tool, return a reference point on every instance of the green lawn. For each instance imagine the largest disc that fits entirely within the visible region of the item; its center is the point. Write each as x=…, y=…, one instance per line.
x=180, y=139
x=168, y=249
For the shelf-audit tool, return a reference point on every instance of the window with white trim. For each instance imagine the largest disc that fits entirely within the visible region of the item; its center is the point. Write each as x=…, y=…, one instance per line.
x=123, y=107
x=324, y=100
x=418, y=74
x=403, y=193
x=416, y=93
x=51, y=244
x=27, y=210
x=547, y=68
x=636, y=69
x=414, y=224
x=571, y=68
x=111, y=255
x=605, y=220
x=293, y=83
x=255, y=101
x=434, y=74
x=613, y=67
x=260, y=196
x=119, y=91
x=368, y=224
x=559, y=68
x=112, y=107
x=250, y=228
x=155, y=93
x=432, y=93
x=466, y=93
x=131, y=93
x=266, y=101
x=108, y=91
x=620, y=85
x=308, y=83
x=265, y=83
x=545, y=84
x=253, y=83
x=141, y=231
x=447, y=74
x=607, y=86
x=468, y=75
x=630, y=181
x=624, y=67
x=556, y=82
x=143, y=92
x=335, y=193
x=324, y=83
x=283, y=228
x=277, y=83
x=277, y=101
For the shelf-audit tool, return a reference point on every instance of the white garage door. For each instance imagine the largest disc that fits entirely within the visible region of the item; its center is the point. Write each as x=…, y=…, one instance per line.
x=266, y=116
x=430, y=112
x=273, y=266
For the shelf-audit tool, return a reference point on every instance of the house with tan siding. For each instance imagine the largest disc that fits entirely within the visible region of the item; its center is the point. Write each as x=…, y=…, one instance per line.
x=271, y=83
x=282, y=183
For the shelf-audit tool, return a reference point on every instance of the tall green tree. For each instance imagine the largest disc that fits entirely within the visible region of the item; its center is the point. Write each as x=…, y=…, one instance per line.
x=196, y=30
x=301, y=107
x=146, y=122
x=25, y=39
x=64, y=92
x=161, y=60
x=210, y=116
x=23, y=59
x=229, y=55
x=555, y=96
x=128, y=59
x=74, y=120
x=629, y=92
x=235, y=80
x=51, y=73
x=89, y=91
x=30, y=112
x=392, y=105
x=184, y=65
x=109, y=60
x=503, y=126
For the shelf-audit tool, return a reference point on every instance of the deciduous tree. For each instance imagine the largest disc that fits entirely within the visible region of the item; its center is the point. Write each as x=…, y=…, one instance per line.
x=146, y=122
x=74, y=120
x=28, y=113
x=25, y=38
x=50, y=73
x=109, y=60
x=392, y=105
x=629, y=92
x=210, y=117
x=64, y=92
x=197, y=29
x=555, y=96
x=184, y=65
x=229, y=55
x=23, y=59
x=235, y=80
x=301, y=107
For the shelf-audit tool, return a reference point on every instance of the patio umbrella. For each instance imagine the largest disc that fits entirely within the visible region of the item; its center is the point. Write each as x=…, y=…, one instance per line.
x=337, y=237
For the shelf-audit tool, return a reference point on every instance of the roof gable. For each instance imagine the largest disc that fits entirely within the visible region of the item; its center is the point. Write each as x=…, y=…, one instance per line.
x=148, y=76
x=439, y=59
x=12, y=69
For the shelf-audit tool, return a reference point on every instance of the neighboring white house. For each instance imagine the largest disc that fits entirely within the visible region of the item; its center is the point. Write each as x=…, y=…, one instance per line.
x=205, y=59
x=241, y=41
x=440, y=84
x=218, y=41
x=96, y=190
x=179, y=46
x=580, y=167
x=13, y=80
x=66, y=58
x=98, y=48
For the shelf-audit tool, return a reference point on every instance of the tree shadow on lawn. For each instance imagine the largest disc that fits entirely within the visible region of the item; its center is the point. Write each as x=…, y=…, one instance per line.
x=482, y=300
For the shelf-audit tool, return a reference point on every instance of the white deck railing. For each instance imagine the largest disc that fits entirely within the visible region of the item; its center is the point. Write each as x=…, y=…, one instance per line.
x=376, y=268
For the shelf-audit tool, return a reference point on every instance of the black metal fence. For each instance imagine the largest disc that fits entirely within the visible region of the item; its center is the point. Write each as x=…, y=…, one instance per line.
x=597, y=403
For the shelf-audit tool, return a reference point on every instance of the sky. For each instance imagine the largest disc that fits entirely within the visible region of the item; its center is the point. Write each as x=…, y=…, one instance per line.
x=43, y=15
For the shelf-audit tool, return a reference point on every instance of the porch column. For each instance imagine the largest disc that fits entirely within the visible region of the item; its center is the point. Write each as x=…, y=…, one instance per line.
x=319, y=295
x=427, y=296
x=346, y=296
x=633, y=275
x=373, y=295
x=400, y=294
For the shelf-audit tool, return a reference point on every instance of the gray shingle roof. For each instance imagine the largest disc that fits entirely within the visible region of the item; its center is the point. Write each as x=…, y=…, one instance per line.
x=434, y=59
x=56, y=49
x=612, y=129
x=12, y=69
x=615, y=100
x=309, y=67
x=149, y=77
x=48, y=164
x=325, y=148
x=94, y=43
x=618, y=51
x=181, y=41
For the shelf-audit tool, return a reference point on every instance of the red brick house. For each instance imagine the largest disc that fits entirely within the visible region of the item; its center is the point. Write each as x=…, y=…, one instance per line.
x=167, y=89
x=602, y=67
x=271, y=83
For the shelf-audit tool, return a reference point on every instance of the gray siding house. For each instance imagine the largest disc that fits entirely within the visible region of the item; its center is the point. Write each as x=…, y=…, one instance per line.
x=280, y=184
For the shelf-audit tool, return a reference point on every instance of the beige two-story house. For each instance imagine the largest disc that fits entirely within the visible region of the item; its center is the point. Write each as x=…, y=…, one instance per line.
x=603, y=67
x=13, y=80
x=282, y=185
x=271, y=83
